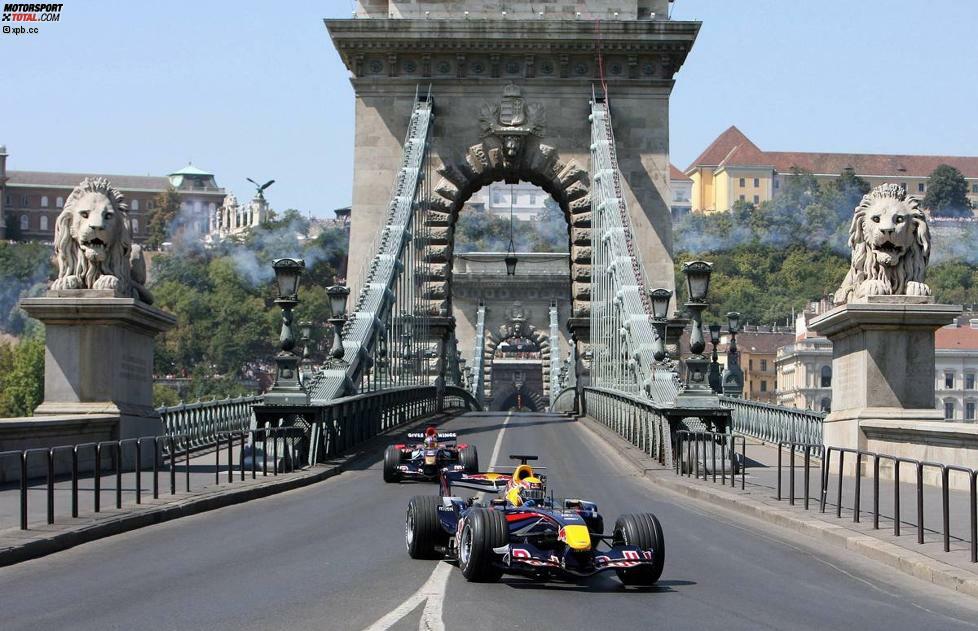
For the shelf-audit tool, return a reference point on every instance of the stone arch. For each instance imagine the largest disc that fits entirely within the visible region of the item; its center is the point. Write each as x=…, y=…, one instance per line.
x=505, y=332
x=487, y=162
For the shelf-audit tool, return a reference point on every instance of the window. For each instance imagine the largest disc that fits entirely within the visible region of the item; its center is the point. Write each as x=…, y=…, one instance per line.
x=742, y=198
x=134, y=205
x=826, y=376
x=149, y=204
x=969, y=381
x=826, y=405
x=763, y=365
x=135, y=226
x=763, y=385
x=757, y=199
x=949, y=408
x=921, y=187
x=750, y=364
x=25, y=222
x=10, y=200
x=743, y=182
x=44, y=201
x=44, y=222
x=25, y=201
x=969, y=410
x=777, y=183
x=903, y=185
x=757, y=182
x=212, y=208
x=974, y=188
x=948, y=380
x=59, y=202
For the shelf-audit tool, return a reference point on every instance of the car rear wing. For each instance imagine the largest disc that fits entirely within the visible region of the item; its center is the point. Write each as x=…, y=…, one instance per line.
x=485, y=482
x=441, y=435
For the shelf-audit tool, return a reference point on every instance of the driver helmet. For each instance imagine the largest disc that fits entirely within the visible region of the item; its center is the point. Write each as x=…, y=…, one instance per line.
x=526, y=488
x=430, y=442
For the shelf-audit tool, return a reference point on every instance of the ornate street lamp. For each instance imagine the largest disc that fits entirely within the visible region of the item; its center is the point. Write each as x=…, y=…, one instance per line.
x=698, y=285
x=287, y=390
x=305, y=335
x=337, y=295
x=660, y=311
x=733, y=375
x=715, y=380
x=511, y=259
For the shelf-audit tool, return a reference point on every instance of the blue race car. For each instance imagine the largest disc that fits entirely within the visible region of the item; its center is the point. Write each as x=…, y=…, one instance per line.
x=429, y=453
x=526, y=532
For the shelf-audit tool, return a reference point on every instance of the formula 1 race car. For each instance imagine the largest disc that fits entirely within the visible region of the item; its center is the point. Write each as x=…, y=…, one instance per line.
x=424, y=459
x=526, y=532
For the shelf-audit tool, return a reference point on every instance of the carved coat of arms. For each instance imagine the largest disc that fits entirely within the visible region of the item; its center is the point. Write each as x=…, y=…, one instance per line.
x=511, y=121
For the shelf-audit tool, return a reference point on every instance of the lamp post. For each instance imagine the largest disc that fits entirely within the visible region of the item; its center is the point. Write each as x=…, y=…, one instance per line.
x=715, y=381
x=287, y=390
x=305, y=334
x=733, y=376
x=511, y=250
x=660, y=312
x=697, y=285
x=337, y=295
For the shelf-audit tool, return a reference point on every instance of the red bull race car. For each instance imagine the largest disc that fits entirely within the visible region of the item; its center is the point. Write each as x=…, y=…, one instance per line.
x=425, y=458
x=528, y=533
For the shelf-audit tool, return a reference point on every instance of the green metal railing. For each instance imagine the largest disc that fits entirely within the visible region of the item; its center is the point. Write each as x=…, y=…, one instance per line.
x=775, y=423
x=198, y=424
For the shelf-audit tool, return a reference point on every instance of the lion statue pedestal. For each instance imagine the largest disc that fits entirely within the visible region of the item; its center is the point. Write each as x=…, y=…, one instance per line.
x=100, y=326
x=882, y=332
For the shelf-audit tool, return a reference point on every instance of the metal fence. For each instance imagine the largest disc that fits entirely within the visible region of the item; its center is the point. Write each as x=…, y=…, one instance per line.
x=775, y=423
x=198, y=424
x=635, y=419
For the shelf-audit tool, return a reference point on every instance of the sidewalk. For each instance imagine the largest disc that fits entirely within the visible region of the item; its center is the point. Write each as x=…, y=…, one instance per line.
x=928, y=561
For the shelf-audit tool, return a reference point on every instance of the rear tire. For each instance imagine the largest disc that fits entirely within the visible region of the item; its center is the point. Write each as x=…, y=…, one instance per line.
x=483, y=530
x=392, y=460
x=422, y=528
x=645, y=531
x=468, y=457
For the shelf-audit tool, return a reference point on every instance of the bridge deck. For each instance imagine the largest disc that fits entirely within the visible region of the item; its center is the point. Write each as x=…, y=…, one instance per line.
x=332, y=556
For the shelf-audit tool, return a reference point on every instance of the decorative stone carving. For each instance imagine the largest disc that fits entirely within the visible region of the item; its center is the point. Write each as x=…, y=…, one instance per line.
x=93, y=243
x=890, y=244
x=511, y=121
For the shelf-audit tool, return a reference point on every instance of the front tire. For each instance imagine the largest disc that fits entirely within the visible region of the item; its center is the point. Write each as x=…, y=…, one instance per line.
x=392, y=460
x=422, y=528
x=483, y=530
x=645, y=531
x=468, y=457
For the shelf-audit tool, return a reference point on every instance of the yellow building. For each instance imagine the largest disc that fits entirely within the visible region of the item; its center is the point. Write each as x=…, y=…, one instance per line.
x=733, y=168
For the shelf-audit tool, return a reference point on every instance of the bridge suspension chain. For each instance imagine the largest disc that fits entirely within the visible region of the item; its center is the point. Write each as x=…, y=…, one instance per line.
x=621, y=328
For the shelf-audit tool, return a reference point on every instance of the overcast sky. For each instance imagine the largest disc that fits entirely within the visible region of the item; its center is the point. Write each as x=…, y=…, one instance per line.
x=255, y=89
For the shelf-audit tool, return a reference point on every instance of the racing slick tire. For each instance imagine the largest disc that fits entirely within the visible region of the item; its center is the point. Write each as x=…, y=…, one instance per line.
x=483, y=530
x=468, y=457
x=422, y=529
x=392, y=460
x=645, y=531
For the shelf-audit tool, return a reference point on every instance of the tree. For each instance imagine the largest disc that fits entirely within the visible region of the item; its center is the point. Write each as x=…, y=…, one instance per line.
x=22, y=376
x=947, y=193
x=165, y=211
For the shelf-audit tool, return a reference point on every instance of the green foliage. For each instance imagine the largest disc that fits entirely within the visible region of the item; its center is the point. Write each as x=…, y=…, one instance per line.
x=161, y=218
x=21, y=375
x=24, y=268
x=954, y=282
x=164, y=397
x=947, y=193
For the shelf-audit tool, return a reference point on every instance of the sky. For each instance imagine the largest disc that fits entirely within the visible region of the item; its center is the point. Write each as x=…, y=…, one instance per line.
x=255, y=89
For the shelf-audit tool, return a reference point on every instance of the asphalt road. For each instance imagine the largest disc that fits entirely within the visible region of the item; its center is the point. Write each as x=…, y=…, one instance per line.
x=332, y=556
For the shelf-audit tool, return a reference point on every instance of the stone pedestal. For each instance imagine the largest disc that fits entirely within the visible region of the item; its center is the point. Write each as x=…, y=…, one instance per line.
x=882, y=363
x=99, y=357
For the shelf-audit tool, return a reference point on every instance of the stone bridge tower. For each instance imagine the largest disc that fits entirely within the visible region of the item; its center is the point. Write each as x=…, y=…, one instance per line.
x=511, y=84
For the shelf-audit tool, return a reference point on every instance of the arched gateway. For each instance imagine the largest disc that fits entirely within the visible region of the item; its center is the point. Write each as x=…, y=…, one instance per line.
x=511, y=86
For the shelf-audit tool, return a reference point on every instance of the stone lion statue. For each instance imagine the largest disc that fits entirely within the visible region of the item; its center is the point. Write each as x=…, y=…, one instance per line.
x=93, y=243
x=890, y=245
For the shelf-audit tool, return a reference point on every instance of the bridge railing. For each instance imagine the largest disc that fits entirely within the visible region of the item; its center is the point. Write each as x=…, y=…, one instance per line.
x=634, y=418
x=775, y=423
x=195, y=425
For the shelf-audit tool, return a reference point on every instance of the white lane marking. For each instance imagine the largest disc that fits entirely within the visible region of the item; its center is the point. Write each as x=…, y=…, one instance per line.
x=432, y=593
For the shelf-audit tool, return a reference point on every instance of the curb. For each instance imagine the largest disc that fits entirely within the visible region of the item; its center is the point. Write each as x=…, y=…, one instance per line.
x=907, y=561
x=38, y=543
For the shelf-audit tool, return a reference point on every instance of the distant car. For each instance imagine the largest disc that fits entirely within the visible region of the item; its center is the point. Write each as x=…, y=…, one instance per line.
x=527, y=532
x=430, y=452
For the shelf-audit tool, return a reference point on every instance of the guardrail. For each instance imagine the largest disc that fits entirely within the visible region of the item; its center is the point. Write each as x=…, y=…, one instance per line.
x=688, y=452
x=198, y=424
x=135, y=457
x=775, y=423
x=898, y=462
x=634, y=419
